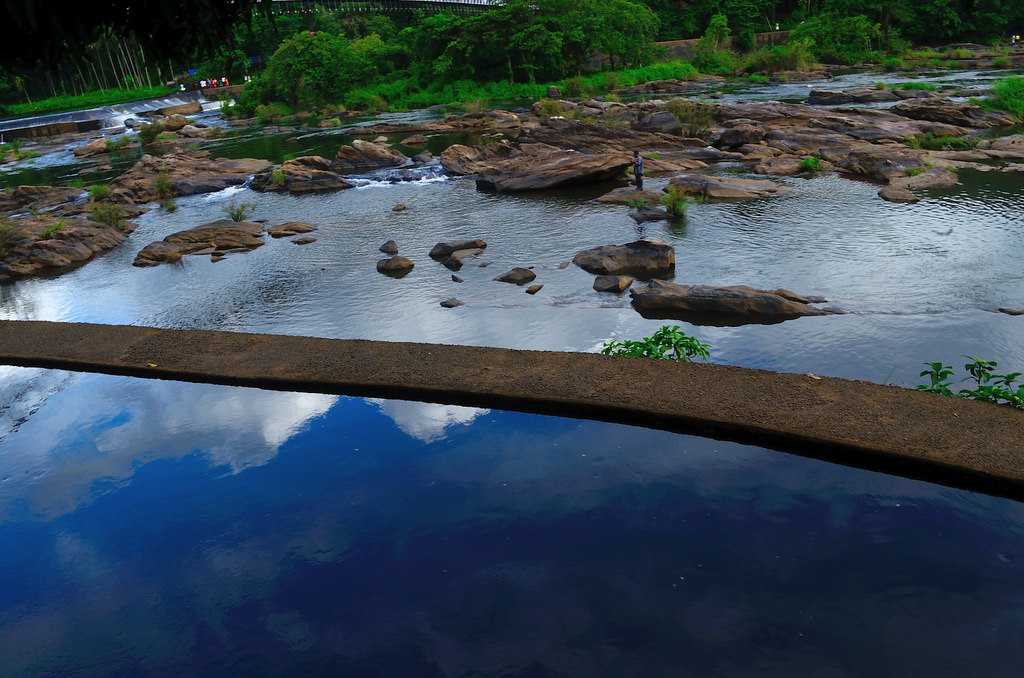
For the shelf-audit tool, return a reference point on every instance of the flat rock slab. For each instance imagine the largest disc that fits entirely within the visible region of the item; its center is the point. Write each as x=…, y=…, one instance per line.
x=222, y=236
x=644, y=259
x=727, y=188
x=628, y=195
x=307, y=174
x=720, y=306
x=538, y=169
x=289, y=229
x=517, y=276
x=957, y=442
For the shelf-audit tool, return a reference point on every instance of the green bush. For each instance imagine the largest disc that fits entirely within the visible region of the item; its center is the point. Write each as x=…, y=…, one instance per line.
x=840, y=39
x=550, y=108
x=149, y=133
x=277, y=177
x=163, y=187
x=668, y=343
x=574, y=88
x=695, y=117
x=759, y=78
x=115, y=145
x=893, y=63
x=108, y=214
x=1008, y=95
x=268, y=113
x=169, y=205
x=811, y=163
x=795, y=55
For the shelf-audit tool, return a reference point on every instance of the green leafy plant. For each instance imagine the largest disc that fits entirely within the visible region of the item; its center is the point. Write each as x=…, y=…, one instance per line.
x=108, y=214
x=99, y=191
x=1008, y=95
x=115, y=145
x=988, y=387
x=695, y=117
x=238, y=211
x=675, y=201
x=277, y=177
x=169, y=205
x=893, y=63
x=574, y=87
x=550, y=108
x=668, y=343
x=637, y=203
x=811, y=163
x=758, y=78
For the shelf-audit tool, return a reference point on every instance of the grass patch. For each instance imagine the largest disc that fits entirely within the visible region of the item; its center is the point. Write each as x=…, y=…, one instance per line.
x=12, y=152
x=86, y=100
x=668, y=343
x=759, y=79
x=99, y=191
x=919, y=86
x=1008, y=95
x=52, y=230
x=695, y=117
x=238, y=211
x=166, y=136
x=169, y=205
x=163, y=187
x=277, y=177
x=675, y=201
x=933, y=142
x=6, y=238
x=149, y=133
x=108, y=214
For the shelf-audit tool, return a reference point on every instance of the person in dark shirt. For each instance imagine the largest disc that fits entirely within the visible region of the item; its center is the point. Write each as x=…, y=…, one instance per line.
x=638, y=170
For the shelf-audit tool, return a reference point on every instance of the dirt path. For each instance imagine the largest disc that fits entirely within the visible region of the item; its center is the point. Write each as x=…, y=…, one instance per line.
x=959, y=443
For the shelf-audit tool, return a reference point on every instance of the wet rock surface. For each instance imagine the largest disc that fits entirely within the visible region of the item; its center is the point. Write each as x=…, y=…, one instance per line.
x=51, y=243
x=723, y=306
x=222, y=237
x=643, y=259
x=289, y=229
x=366, y=156
x=395, y=266
x=390, y=247
x=187, y=173
x=517, y=276
x=612, y=283
x=307, y=174
x=727, y=187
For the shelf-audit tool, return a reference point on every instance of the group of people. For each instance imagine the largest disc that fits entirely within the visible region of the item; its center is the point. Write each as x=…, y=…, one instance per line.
x=1015, y=40
x=208, y=83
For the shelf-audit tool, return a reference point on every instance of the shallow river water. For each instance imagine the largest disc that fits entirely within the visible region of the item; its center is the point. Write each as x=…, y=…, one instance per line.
x=160, y=528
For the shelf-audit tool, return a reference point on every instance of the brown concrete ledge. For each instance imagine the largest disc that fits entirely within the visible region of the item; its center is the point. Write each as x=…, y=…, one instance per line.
x=959, y=443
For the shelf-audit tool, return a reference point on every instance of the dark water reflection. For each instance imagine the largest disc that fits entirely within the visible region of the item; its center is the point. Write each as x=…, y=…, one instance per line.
x=157, y=528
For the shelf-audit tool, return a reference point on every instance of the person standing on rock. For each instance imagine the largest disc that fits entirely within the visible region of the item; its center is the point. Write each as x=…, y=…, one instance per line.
x=638, y=170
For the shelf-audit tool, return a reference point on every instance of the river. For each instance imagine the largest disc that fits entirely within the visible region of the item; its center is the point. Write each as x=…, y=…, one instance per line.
x=156, y=528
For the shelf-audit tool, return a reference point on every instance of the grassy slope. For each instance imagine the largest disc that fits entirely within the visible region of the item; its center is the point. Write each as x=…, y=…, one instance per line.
x=104, y=97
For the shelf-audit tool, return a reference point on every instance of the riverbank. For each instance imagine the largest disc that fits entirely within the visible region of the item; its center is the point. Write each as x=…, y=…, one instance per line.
x=955, y=442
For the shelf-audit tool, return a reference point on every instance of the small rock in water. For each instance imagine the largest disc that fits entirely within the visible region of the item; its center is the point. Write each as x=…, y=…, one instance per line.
x=390, y=247
x=533, y=289
x=304, y=241
x=517, y=276
x=612, y=283
x=1012, y=311
x=452, y=303
x=564, y=265
x=400, y=207
x=289, y=229
x=457, y=279
x=396, y=266
x=486, y=264
x=216, y=257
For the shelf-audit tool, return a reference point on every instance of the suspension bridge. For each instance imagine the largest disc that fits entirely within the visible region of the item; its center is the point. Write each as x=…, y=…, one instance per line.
x=380, y=6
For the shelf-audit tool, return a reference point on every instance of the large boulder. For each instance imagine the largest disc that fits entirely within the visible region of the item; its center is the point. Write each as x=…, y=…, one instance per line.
x=220, y=236
x=721, y=187
x=461, y=160
x=187, y=173
x=307, y=174
x=740, y=135
x=517, y=276
x=957, y=113
x=901, y=189
x=47, y=243
x=366, y=156
x=723, y=306
x=39, y=198
x=644, y=259
x=94, y=147
x=539, y=166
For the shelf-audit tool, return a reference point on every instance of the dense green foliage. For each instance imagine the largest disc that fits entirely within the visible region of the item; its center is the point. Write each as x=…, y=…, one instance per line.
x=989, y=387
x=1008, y=95
x=668, y=343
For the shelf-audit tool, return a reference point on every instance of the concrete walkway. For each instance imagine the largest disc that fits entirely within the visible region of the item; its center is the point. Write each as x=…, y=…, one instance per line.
x=965, y=444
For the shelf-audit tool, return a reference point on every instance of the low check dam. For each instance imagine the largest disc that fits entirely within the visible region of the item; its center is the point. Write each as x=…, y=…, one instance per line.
x=946, y=440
